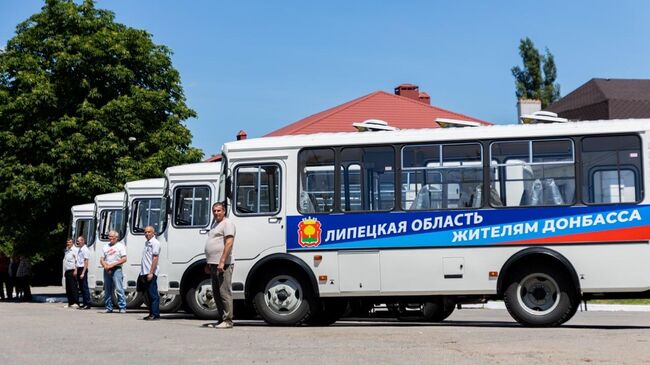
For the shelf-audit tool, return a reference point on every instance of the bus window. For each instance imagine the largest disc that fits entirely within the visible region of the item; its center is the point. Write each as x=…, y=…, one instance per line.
x=316, y=194
x=257, y=189
x=611, y=169
x=110, y=220
x=532, y=173
x=442, y=176
x=192, y=206
x=84, y=228
x=146, y=212
x=367, y=178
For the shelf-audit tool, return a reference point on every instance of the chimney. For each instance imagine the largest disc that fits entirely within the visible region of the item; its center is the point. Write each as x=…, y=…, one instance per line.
x=424, y=98
x=408, y=91
x=528, y=106
x=241, y=135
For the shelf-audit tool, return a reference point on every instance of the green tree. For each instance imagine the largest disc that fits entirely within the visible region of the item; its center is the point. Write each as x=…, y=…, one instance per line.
x=529, y=82
x=86, y=104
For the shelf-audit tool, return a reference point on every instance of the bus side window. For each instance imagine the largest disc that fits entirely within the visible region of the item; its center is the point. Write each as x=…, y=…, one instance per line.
x=316, y=190
x=611, y=169
x=367, y=178
x=257, y=189
x=438, y=176
x=146, y=212
x=532, y=173
x=110, y=220
x=192, y=206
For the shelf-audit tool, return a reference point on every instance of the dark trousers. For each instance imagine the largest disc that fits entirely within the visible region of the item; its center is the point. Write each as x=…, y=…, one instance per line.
x=83, y=287
x=4, y=282
x=23, y=283
x=153, y=295
x=222, y=291
x=71, y=287
x=11, y=283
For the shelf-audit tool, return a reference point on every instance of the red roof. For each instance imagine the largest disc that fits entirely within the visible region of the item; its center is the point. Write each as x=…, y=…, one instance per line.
x=397, y=111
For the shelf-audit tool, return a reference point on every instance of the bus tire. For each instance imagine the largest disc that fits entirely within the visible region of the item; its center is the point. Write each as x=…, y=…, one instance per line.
x=283, y=298
x=541, y=296
x=97, y=298
x=134, y=299
x=329, y=311
x=169, y=303
x=199, y=298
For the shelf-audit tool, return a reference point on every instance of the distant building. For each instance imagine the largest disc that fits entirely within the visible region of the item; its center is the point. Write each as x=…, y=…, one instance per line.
x=605, y=99
x=405, y=109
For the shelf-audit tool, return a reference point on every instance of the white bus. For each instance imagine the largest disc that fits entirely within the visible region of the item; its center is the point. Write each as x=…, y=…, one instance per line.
x=110, y=216
x=189, y=193
x=144, y=207
x=541, y=216
x=82, y=223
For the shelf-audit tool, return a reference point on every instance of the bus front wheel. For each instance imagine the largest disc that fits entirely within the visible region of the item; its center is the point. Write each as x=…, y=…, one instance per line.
x=540, y=296
x=284, y=299
x=200, y=300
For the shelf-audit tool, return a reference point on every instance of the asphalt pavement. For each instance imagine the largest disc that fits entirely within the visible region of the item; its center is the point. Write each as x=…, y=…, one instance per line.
x=48, y=333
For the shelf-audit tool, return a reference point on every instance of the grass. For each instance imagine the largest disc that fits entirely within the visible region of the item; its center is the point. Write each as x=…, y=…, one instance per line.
x=620, y=301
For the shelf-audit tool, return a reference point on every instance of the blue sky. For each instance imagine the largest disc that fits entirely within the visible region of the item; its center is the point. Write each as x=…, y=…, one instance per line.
x=260, y=65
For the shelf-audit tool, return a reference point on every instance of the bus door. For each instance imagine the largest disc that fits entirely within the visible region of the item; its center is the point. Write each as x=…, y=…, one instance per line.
x=190, y=220
x=257, y=207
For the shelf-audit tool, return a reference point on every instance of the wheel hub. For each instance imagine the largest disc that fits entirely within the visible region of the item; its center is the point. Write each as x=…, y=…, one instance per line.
x=283, y=295
x=538, y=294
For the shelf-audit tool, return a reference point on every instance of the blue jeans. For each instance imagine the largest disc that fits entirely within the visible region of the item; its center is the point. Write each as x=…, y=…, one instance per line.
x=154, y=296
x=114, y=279
x=83, y=287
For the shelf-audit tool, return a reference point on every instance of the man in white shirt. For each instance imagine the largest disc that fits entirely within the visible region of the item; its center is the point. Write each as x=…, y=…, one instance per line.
x=149, y=272
x=113, y=257
x=69, y=270
x=218, y=254
x=82, y=270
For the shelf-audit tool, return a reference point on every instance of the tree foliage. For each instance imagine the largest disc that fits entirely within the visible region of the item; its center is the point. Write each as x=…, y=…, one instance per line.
x=86, y=104
x=537, y=79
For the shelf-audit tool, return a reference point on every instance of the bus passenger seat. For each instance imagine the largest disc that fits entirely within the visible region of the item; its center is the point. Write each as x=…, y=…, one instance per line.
x=422, y=199
x=307, y=202
x=553, y=192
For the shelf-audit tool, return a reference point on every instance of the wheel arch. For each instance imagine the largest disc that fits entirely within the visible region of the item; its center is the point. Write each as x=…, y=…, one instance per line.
x=536, y=254
x=189, y=274
x=282, y=260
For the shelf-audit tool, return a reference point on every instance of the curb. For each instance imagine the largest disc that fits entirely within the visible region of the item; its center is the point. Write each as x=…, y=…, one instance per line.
x=590, y=307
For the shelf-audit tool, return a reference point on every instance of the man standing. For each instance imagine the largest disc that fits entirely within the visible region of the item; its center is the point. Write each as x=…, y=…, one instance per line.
x=13, y=281
x=82, y=269
x=4, y=276
x=149, y=272
x=69, y=270
x=23, y=278
x=218, y=251
x=113, y=257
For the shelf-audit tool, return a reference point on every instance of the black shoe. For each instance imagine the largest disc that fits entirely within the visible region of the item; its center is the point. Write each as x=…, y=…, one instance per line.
x=86, y=307
x=148, y=318
x=155, y=318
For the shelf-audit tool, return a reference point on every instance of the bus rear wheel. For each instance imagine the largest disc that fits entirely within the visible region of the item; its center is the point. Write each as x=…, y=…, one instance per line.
x=329, y=311
x=541, y=296
x=283, y=299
